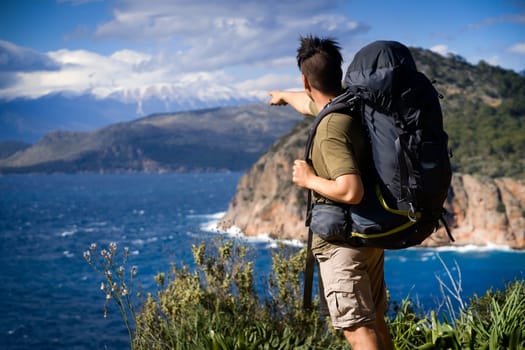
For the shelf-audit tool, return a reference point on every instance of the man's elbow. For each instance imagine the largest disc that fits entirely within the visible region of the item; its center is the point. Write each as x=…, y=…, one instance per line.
x=353, y=197
x=352, y=189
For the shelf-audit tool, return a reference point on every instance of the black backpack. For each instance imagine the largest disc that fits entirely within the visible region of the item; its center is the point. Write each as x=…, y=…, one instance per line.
x=401, y=115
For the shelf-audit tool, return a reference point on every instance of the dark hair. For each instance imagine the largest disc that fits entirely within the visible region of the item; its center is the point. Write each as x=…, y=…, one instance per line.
x=319, y=59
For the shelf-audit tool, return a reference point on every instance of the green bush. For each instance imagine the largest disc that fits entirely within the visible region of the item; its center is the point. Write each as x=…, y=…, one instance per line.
x=216, y=306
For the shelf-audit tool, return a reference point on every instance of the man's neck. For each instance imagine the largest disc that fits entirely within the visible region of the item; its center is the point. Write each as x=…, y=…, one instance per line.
x=320, y=99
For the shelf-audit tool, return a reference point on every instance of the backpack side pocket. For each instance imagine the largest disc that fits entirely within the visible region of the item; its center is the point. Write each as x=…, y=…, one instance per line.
x=330, y=222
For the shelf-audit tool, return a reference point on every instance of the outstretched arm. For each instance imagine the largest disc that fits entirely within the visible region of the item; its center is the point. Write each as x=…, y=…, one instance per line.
x=299, y=100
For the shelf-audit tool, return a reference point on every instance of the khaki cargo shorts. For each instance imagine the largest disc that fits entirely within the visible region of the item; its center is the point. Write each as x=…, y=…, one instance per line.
x=354, y=285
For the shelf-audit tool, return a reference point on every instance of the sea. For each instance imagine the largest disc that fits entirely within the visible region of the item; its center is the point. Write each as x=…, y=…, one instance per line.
x=51, y=298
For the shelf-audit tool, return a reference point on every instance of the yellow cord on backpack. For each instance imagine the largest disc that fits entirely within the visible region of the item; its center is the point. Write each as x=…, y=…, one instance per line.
x=408, y=213
x=413, y=217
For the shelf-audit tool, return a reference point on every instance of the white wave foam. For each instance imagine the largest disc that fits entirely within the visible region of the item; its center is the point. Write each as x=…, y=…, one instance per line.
x=99, y=223
x=91, y=227
x=68, y=233
x=68, y=254
x=214, y=217
x=236, y=232
x=141, y=242
x=399, y=258
x=290, y=242
x=489, y=247
x=212, y=224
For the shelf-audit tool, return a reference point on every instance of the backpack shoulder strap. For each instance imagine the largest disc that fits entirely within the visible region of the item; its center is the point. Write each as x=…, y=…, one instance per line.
x=344, y=101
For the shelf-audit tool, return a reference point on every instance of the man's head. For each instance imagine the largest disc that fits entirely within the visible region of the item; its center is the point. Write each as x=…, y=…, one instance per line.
x=320, y=62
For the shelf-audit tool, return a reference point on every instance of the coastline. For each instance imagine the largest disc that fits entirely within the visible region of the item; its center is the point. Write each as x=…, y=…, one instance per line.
x=214, y=226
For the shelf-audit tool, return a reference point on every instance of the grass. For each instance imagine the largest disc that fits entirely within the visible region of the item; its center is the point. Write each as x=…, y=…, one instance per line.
x=215, y=306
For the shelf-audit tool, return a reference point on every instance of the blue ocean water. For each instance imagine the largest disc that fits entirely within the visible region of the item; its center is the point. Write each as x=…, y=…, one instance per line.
x=50, y=298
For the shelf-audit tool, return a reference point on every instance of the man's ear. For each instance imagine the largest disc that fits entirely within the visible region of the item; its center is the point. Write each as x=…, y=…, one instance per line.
x=306, y=83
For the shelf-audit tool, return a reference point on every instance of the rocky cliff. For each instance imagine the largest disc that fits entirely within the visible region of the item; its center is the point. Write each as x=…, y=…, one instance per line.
x=482, y=210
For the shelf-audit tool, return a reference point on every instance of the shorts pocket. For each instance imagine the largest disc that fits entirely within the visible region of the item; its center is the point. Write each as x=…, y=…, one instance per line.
x=350, y=305
x=342, y=305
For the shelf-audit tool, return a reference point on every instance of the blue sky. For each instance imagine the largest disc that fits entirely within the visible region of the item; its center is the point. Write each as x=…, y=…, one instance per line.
x=213, y=51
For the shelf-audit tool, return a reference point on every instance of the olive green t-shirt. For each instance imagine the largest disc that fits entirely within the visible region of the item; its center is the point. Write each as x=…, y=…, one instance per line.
x=338, y=149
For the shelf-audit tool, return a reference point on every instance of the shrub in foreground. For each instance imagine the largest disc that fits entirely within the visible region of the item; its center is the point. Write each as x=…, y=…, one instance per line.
x=216, y=306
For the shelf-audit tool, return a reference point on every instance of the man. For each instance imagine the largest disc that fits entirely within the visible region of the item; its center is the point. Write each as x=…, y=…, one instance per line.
x=353, y=278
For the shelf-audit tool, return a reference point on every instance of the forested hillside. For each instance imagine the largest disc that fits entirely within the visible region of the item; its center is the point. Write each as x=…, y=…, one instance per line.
x=484, y=110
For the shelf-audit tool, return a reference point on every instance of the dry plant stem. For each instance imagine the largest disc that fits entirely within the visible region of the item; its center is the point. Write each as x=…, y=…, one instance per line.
x=114, y=286
x=454, y=290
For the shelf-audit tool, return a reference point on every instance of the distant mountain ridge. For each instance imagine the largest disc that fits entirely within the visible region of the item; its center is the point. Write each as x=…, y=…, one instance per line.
x=219, y=139
x=8, y=148
x=484, y=115
x=30, y=119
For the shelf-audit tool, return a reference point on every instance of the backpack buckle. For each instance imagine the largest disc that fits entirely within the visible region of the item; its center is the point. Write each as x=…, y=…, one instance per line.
x=412, y=215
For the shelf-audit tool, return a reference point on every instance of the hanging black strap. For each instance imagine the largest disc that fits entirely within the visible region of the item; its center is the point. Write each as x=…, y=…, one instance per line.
x=308, y=273
x=403, y=171
x=447, y=228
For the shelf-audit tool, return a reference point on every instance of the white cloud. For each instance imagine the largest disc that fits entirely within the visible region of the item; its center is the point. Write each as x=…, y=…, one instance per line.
x=131, y=57
x=518, y=48
x=126, y=75
x=444, y=50
x=212, y=35
x=492, y=60
x=440, y=49
x=258, y=88
x=196, y=49
x=518, y=18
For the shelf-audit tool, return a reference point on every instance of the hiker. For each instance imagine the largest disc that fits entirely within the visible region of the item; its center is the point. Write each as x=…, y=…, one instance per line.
x=352, y=277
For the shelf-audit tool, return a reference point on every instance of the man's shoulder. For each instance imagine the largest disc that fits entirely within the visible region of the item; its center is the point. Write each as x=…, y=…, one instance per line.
x=338, y=118
x=338, y=124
